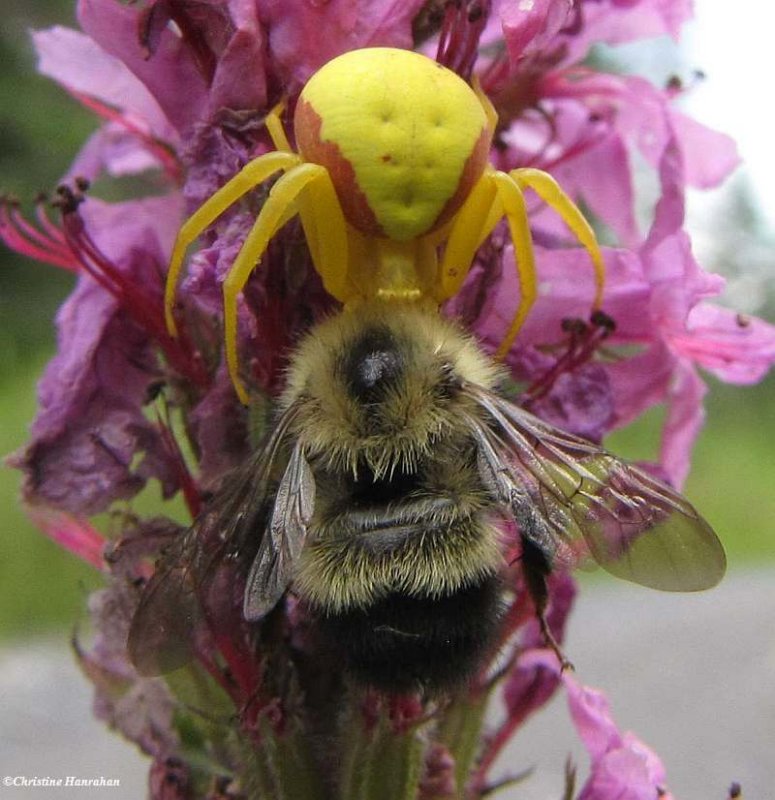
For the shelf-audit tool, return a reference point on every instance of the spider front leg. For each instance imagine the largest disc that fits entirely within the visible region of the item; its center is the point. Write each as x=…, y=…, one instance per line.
x=499, y=194
x=510, y=188
x=519, y=227
x=471, y=226
x=326, y=232
x=495, y=195
x=250, y=176
x=308, y=190
x=547, y=188
x=274, y=124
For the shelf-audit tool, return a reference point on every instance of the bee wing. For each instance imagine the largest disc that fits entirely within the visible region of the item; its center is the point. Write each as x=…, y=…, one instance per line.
x=575, y=500
x=163, y=630
x=280, y=548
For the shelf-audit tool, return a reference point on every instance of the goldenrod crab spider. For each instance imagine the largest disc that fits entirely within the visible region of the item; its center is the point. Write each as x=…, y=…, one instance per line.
x=392, y=163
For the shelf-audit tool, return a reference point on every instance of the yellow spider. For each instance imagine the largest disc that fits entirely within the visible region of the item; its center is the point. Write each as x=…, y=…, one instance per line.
x=392, y=163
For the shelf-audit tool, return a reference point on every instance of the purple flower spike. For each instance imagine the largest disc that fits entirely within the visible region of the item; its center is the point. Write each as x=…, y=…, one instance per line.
x=184, y=90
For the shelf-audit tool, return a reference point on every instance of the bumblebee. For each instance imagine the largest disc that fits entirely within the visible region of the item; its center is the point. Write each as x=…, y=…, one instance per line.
x=380, y=500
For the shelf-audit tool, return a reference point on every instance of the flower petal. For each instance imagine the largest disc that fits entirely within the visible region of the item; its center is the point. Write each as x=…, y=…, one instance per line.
x=171, y=75
x=735, y=348
x=710, y=156
x=295, y=26
x=531, y=27
x=90, y=425
x=685, y=417
x=621, y=21
x=243, y=55
x=78, y=63
x=623, y=767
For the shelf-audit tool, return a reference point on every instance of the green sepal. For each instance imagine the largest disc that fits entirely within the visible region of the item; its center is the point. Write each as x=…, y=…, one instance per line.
x=460, y=729
x=381, y=764
x=280, y=762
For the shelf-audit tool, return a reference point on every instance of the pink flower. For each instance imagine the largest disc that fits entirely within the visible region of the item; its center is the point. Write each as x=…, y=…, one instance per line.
x=622, y=767
x=137, y=134
x=589, y=124
x=657, y=296
x=90, y=425
x=183, y=88
x=295, y=27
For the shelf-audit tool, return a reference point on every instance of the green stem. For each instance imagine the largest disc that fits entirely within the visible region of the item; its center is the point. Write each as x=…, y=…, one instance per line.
x=285, y=768
x=382, y=764
x=460, y=730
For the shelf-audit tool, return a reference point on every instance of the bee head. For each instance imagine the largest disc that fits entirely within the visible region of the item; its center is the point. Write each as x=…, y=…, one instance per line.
x=374, y=367
x=379, y=384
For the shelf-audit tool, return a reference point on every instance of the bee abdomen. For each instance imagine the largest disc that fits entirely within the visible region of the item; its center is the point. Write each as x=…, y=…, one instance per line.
x=405, y=643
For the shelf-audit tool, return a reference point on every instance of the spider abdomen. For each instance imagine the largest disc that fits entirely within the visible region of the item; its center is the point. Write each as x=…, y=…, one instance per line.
x=406, y=148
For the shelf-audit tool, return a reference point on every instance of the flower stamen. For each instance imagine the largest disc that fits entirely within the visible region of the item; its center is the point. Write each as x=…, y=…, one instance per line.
x=143, y=305
x=47, y=245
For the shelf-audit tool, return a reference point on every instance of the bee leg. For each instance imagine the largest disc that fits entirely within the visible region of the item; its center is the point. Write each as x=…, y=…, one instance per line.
x=536, y=569
x=552, y=643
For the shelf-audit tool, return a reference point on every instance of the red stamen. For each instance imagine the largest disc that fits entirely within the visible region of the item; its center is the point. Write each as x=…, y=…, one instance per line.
x=494, y=74
x=53, y=230
x=34, y=235
x=583, y=341
x=215, y=672
x=460, y=33
x=243, y=666
x=450, y=12
x=74, y=534
x=27, y=240
x=145, y=306
x=158, y=149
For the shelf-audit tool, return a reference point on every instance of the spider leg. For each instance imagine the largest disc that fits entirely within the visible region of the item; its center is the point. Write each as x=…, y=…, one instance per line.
x=279, y=207
x=496, y=195
x=325, y=230
x=250, y=176
x=515, y=210
x=274, y=124
x=489, y=108
x=471, y=226
x=552, y=194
